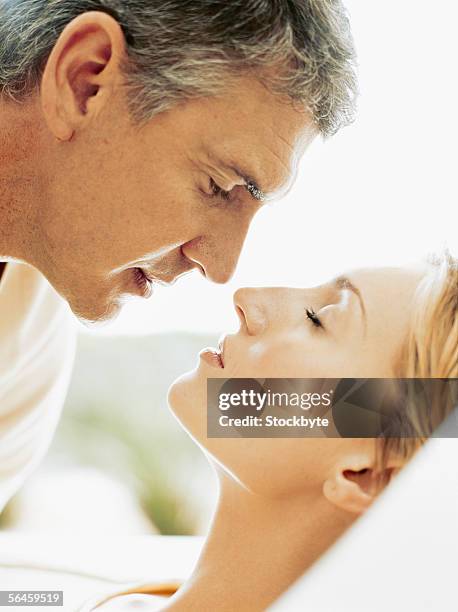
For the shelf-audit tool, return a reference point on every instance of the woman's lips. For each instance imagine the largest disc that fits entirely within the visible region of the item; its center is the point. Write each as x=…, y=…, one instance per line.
x=212, y=357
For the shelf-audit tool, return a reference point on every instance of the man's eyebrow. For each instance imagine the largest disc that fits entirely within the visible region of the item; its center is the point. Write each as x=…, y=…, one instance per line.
x=343, y=282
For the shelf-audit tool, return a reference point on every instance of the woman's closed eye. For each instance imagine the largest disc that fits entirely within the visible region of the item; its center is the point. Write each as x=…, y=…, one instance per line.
x=313, y=317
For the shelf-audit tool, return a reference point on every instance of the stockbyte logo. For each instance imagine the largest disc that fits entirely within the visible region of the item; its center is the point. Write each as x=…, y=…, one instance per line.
x=335, y=408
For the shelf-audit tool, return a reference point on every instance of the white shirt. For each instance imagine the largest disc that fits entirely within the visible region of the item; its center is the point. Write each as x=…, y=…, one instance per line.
x=37, y=346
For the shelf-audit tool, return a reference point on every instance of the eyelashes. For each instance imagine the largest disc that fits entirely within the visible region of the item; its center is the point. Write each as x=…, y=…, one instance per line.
x=216, y=191
x=313, y=317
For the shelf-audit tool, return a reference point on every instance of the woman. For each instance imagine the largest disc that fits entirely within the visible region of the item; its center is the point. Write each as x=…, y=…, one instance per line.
x=284, y=501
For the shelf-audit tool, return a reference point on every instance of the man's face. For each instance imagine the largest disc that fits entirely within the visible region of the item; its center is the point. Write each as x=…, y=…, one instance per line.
x=125, y=201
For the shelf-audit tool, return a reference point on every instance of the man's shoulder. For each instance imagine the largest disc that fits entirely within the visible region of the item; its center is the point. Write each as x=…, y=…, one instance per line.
x=34, y=318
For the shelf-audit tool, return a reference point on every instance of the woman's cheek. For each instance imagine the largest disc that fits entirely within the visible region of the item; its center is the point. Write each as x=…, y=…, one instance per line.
x=278, y=359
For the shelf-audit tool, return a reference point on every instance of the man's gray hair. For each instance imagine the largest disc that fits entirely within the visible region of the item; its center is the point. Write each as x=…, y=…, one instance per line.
x=182, y=49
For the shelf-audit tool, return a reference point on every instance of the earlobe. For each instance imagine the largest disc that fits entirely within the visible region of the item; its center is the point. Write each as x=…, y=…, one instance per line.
x=81, y=72
x=355, y=482
x=347, y=494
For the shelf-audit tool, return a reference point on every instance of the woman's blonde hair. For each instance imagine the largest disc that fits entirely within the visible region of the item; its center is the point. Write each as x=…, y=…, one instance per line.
x=430, y=351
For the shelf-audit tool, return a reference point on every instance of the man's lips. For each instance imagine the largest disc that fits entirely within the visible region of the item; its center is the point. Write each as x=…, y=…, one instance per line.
x=157, y=280
x=145, y=281
x=143, y=284
x=166, y=279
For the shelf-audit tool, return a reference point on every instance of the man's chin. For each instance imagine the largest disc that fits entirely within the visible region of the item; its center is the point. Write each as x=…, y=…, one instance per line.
x=98, y=317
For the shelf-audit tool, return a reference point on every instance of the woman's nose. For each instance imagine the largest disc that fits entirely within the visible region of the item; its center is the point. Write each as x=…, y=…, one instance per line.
x=251, y=310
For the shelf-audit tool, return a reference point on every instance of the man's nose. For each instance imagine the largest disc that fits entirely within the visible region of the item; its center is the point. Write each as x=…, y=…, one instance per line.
x=251, y=310
x=216, y=257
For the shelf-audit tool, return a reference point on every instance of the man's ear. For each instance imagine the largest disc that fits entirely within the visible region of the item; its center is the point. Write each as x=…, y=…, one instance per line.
x=81, y=72
x=354, y=483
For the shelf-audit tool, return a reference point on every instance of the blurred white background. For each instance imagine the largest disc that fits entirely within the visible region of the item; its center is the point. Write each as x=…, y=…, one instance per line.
x=381, y=191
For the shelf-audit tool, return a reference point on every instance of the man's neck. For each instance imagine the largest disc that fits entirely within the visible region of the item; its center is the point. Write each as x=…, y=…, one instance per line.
x=21, y=186
x=256, y=548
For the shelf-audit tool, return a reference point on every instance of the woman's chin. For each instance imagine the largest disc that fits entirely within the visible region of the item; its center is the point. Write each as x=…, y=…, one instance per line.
x=187, y=399
x=182, y=393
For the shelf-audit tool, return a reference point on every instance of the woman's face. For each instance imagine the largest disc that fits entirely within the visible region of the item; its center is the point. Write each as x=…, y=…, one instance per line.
x=353, y=326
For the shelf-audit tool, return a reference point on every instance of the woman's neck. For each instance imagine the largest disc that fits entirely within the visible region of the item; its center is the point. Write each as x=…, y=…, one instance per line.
x=256, y=548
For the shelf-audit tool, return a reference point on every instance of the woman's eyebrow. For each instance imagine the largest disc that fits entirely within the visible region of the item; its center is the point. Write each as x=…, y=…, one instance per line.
x=343, y=282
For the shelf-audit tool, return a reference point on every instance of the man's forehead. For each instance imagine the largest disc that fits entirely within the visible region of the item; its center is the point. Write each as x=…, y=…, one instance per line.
x=257, y=133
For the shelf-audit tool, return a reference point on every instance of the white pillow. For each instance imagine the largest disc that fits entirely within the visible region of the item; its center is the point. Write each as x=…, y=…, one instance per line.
x=403, y=554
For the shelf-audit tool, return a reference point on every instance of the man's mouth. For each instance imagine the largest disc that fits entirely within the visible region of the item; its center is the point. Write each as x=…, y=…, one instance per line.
x=145, y=281
x=154, y=279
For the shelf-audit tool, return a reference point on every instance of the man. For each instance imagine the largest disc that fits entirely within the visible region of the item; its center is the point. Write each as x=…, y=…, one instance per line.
x=138, y=140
